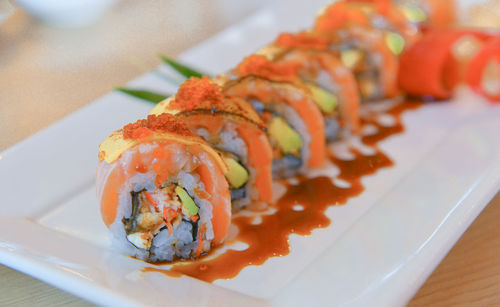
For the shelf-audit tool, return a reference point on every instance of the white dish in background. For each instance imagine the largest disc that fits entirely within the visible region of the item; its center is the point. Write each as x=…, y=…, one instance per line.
x=378, y=250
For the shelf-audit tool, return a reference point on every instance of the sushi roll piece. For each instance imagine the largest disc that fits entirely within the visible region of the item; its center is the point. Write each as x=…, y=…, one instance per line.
x=162, y=190
x=294, y=123
x=235, y=130
x=368, y=42
x=435, y=14
x=386, y=16
x=332, y=85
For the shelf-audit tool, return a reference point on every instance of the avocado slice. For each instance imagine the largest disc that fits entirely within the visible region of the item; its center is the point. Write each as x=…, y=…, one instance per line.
x=237, y=175
x=395, y=42
x=414, y=13
x=288, y=140
x=187, y=201
x=351, y=57
x=326, y=101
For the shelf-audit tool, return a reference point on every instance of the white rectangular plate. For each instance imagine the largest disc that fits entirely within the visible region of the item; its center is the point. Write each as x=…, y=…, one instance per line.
x=378, y=250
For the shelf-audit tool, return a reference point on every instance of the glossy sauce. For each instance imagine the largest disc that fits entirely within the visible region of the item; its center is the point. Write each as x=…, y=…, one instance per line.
x=314, y=195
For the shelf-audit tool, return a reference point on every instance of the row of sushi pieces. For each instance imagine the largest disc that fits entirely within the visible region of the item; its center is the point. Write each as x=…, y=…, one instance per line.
x=169, y=184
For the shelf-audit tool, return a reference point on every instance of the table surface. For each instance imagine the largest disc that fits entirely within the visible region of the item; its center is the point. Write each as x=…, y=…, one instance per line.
x=61, y=70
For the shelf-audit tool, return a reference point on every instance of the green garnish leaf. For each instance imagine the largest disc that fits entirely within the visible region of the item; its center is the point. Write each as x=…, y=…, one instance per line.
x=184, y=70
x=143, y=94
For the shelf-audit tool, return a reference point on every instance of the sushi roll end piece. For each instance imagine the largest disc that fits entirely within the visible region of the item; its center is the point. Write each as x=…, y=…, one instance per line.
x=162, y=190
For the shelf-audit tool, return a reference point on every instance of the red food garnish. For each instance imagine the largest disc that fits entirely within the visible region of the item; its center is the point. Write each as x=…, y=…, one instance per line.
x=302, y=40
x=143, y=128
x=260, y=66
x=428, y=69
x=475, y=70
x=196, y=91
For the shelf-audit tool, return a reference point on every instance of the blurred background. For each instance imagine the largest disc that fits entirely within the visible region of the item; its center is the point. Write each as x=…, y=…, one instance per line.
x=52, y=65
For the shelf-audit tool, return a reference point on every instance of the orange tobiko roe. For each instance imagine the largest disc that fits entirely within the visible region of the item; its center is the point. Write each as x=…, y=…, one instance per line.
x=260, y=66
x=196, y=91
x=143, y=128
x=302, y=40
x=338, y=16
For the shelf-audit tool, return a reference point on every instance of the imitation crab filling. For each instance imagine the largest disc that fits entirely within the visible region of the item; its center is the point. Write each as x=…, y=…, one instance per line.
x=166, y=208
x=286, y=141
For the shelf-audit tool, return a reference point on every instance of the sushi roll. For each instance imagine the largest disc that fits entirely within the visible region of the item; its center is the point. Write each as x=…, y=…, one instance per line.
x=293, y=121
x=332, y=85
x=162, y=190
x=368, y=42
x=235, y=130
x=372, y=63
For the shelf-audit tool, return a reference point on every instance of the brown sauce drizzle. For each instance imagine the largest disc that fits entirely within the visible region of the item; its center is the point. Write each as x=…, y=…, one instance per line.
x=270, y=237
